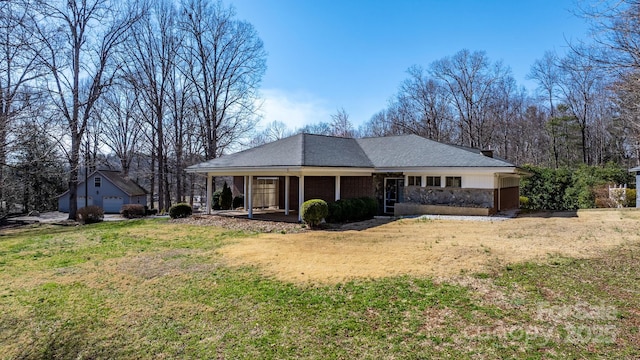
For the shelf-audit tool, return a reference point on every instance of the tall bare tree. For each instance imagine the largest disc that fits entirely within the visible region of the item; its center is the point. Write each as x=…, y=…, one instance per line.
x=153, y=47
x=80, y=38
x=19, y=67
x=225, y=61
x=470, y=78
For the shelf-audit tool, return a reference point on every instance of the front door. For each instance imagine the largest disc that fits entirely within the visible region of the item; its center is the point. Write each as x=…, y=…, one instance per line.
x=393, y=193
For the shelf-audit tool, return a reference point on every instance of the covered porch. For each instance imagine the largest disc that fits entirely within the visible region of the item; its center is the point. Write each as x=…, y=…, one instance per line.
x=286, y=190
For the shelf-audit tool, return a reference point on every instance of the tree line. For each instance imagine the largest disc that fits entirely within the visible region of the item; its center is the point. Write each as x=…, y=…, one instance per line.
x=150, y=87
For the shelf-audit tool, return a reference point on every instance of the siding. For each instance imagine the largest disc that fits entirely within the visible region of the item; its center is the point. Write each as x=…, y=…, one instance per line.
x=319, y=187
x=356, y=186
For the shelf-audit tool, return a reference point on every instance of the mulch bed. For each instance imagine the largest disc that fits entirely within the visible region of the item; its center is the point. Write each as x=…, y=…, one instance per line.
x=232, y=223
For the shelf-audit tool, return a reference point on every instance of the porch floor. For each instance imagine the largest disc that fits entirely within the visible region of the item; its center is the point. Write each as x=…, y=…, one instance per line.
x=261, y=214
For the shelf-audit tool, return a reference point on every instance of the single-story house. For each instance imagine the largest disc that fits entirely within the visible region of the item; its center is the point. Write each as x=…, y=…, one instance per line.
x=108, y=190
x=408, y=174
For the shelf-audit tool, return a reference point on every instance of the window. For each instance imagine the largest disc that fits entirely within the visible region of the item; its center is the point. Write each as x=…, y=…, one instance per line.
x=454, y=181
x=97, y=181
x=434, y=181
x=415, y=180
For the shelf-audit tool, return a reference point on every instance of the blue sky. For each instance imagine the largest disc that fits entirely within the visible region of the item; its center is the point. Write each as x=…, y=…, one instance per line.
x=353, y=54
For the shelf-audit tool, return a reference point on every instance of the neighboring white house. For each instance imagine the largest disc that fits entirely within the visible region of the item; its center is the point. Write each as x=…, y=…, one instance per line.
x=108, y=190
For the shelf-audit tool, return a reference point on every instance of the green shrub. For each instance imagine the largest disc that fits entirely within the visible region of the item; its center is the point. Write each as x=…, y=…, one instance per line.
x=215, y=203
x=90, y=214
x=131, y=211
x=181, y=210
x=226, y=197
x=313, y=211
x=524, y=202
x=237, y=202
x=631, y=198
x=356, y=209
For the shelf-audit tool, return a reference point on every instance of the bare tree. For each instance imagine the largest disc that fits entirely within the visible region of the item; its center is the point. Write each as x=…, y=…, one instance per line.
x=19, y=67
x=426, y=103
x=225, y=61
x=153, y=48
x=580, y=82
x=341, y=125
x=470, y=77
x=122, y=128
x=79, y=40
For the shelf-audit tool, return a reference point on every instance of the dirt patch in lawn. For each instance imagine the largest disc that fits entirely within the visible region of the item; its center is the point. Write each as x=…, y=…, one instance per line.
x=433, y=247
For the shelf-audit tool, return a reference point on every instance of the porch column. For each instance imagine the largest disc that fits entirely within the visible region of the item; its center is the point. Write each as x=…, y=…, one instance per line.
x=286, y=195
x=209, y=193
x=300, y=196
x=250, y=196
x=245, y=179
x=337, y=197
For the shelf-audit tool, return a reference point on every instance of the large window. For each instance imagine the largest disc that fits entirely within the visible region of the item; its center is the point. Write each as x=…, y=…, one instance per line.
x=415, y=180
x=454, y=181
x=97, y=181
x=434, y=181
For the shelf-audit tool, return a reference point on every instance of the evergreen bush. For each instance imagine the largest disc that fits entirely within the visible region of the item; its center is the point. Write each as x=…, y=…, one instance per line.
x=226, y=197
x=238, y=201
x=181, y=210
x=313, y=211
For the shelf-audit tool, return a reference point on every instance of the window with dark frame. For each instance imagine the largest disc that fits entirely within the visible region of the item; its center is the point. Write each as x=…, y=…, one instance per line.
x=454, y=181
x=434, y=181
x=97, y=181
x=415, y=180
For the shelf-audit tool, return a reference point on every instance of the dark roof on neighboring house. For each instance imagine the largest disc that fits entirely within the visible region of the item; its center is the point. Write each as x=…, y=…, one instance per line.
x=381, y=152
x=125, y=184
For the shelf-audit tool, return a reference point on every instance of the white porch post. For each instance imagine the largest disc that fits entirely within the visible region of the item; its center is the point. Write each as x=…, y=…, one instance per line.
x=209, y=193
x=286, y=194
x=250, y=200
x=245, y=179
x=300, y=196
x=337, y=188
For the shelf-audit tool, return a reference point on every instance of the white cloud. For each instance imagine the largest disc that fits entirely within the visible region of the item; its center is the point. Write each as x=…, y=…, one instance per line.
x=296, y=109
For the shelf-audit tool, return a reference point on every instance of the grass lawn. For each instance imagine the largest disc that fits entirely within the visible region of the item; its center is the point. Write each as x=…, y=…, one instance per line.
x=151, y=289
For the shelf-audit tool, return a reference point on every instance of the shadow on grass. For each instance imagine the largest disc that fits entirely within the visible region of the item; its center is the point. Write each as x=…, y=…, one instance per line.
x=548, y=214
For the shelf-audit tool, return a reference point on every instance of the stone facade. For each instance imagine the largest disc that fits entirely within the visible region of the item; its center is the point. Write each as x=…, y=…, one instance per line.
x=460, y=197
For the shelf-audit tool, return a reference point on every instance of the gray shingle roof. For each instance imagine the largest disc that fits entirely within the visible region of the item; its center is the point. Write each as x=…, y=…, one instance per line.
x=127, y=185
x=415, y=151
x=405, y=151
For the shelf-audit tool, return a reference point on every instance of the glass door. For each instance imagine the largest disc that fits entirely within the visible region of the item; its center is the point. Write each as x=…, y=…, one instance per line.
x=393, y=193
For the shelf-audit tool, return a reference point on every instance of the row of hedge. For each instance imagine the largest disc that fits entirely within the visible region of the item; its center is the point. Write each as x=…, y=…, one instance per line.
x=570, y=189
x=358, y=209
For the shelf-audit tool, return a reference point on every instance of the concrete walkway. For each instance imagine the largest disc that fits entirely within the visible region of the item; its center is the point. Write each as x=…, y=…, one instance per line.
x=57, y=217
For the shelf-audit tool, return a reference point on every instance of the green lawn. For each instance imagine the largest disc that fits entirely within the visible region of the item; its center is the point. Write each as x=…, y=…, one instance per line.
x=150, y=289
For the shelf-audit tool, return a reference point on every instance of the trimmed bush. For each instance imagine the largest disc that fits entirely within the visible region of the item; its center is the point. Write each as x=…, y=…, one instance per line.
x=132, y=211
x=215, y=204
x=226, y=198
x=90, y=214
x=237, y=202
x=313, y=211
x=181, y=210
x=524, y=202
x=356, y=209
x=631, y=198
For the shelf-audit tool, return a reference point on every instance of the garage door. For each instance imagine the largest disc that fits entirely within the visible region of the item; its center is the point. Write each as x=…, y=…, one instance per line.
x=112, y=204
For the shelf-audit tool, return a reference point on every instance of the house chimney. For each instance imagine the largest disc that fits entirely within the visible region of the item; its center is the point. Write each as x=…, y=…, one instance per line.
x=487, y=153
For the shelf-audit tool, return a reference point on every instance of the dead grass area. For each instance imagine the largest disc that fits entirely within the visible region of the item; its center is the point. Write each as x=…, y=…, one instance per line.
x=440, y=248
